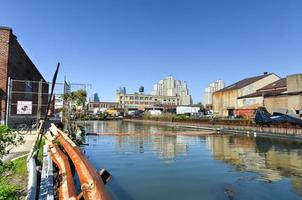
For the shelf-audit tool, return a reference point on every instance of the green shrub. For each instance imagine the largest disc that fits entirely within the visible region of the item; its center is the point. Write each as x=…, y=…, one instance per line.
x=8, y=139
x=8, y=191
x=13, y=180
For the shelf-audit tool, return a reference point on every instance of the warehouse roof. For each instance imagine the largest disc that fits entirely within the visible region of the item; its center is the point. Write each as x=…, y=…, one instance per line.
x=275, y=88
x=244, y=82
x=281, y=83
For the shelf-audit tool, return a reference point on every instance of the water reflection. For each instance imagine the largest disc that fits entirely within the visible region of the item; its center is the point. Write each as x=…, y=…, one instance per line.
x=273, y=160
x=135, y=136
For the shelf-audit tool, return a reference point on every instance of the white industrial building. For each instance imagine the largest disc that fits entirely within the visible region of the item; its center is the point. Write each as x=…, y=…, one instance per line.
x=173, y=88
x=167, y=93
x=208, y=92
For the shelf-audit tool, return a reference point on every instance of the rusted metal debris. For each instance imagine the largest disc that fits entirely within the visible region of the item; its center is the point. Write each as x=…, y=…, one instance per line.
x=92, y=185
x=67, y=189
x=105, y=176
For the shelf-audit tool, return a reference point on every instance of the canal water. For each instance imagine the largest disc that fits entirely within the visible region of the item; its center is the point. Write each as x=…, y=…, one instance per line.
x=157, y=162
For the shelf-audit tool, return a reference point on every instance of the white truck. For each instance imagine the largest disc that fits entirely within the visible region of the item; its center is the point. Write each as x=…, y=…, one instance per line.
x=180, y=110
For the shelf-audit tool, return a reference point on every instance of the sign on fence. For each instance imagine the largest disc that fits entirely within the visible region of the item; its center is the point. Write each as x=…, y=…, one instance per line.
x=24, y=107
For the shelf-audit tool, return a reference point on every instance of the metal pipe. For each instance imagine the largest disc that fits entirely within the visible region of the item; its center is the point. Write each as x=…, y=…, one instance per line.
x=32, y=174
x=32, y=180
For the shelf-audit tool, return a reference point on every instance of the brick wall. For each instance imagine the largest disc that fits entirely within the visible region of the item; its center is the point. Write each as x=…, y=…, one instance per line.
x=15, y=63
x=22, y=68
x=20, y=65
x=5, y=34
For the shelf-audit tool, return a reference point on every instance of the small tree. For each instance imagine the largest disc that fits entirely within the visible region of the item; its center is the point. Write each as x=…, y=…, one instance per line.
x=76, y=101
x=8, y=139
x=77, y=97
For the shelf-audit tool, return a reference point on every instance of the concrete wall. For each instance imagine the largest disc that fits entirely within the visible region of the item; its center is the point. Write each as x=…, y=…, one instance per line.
x=224, y=100
x=283, y=103
x=289, y=133
x=295, y=102
x=294, y=83
x=275, y=103
x=250, y=103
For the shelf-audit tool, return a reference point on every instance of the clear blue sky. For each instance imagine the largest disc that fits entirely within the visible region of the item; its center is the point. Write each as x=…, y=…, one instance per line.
x=114, y=43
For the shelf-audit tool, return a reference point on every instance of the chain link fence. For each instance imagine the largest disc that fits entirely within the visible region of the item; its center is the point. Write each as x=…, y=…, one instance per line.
x=27, y=101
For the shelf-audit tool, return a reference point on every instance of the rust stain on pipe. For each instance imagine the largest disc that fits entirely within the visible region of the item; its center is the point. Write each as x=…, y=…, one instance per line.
x=67, y=189
x=91, y=184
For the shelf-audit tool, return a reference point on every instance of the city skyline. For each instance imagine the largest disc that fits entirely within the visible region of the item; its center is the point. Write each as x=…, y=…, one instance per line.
x=137, y=42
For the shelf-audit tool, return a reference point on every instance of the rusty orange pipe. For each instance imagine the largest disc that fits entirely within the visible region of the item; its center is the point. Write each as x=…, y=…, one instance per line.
x=91, y=184
x=67, y=189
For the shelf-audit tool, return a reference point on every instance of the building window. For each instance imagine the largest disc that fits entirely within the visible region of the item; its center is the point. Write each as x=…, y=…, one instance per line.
x=131, y=98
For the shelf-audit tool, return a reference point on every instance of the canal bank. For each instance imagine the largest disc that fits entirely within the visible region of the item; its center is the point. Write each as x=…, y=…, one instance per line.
x=278, y=132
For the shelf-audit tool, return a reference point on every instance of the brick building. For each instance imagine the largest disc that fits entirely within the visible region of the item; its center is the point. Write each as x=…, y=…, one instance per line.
x=15, y=63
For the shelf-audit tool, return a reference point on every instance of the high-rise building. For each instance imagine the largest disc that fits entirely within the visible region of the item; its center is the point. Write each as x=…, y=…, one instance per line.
x=208, y=92
x=173, y=88
x=96, y=97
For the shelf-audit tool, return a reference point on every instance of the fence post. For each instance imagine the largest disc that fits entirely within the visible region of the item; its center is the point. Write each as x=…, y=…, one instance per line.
x=66, y=106
x=39, y=104
x=8, y=99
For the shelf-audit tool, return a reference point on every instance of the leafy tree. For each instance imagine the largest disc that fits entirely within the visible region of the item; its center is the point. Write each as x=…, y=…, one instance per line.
x=8, y=139
x=77, y=97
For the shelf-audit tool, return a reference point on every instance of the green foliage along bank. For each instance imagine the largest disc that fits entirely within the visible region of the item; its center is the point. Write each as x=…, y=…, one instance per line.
x=13, y=180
